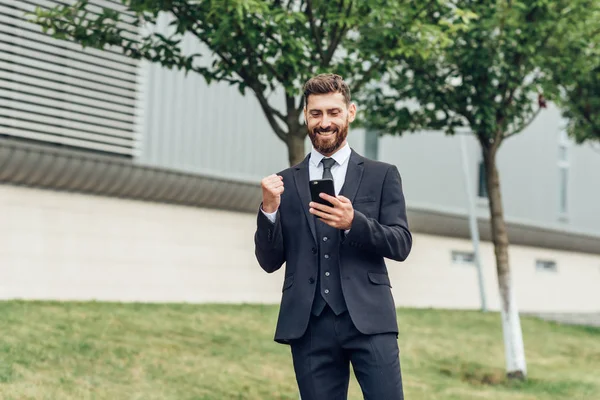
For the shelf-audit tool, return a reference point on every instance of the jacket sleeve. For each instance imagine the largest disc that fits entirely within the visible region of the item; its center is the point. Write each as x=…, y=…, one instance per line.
x=268, y=243
x=389, y=236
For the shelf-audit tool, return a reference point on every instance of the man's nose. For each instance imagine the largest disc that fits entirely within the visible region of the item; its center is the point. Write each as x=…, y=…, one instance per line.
x=325, y=122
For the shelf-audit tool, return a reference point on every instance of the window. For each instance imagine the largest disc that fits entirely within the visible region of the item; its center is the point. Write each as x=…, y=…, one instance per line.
x=463, y=257
x=546, y=265
x=563, y=174
x=482, y=181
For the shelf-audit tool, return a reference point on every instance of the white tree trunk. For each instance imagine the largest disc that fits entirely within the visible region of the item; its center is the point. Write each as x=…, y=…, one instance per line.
x=513, y=338
x=511, y=325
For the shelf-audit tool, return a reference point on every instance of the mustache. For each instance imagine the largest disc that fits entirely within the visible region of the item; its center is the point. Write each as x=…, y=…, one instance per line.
x=328, y=129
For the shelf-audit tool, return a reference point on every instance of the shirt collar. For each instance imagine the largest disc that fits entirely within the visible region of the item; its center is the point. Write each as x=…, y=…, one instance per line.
x=340, y=156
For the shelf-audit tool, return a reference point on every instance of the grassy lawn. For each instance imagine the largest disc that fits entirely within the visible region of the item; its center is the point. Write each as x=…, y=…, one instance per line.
x=78, y=351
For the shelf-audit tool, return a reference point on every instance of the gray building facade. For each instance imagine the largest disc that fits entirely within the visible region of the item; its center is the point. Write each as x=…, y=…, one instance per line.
x=95, y=123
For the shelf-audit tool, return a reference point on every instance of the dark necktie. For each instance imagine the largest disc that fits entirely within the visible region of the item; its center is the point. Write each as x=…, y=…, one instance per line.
x=327, y=164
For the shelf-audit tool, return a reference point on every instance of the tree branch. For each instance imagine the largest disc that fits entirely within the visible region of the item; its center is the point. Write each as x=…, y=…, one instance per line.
x=272, y=37
x=220, y=78
x=484, y=141
x=314, y=29
x=270, y=113
x=334, y=31
x=293, y=114
x=289, y=103
x=251, y=53
x=300, y=108
x=249, y=50
x=253, y=84
x=587, y=115
x=278, y=114
x=367, y=76
x=241, y=72
x=425, y=6
x=584, y=110
x=335, y=36
x=520, y=58
x=466, y=114
x=524, y=125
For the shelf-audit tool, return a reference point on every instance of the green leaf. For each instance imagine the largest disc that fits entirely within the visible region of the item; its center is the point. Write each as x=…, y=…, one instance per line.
x=265, y=46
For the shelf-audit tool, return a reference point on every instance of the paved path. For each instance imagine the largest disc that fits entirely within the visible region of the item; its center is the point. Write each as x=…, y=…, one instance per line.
x=589, y=319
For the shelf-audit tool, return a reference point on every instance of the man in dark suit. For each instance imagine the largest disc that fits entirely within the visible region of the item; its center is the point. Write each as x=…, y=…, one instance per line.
x=337, y=306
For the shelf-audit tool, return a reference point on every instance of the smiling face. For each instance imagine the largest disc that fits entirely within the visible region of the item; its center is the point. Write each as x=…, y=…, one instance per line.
x=327, y=119
x=328, y=113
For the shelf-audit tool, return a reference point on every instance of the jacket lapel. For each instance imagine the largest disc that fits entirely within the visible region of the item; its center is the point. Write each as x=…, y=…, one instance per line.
x=353, y=176
x=301, y=177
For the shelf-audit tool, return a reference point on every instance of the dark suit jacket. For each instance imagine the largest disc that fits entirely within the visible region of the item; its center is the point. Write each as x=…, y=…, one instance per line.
x=379, y=230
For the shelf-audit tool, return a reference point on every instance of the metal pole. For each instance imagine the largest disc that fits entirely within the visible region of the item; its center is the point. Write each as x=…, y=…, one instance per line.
x=473, y=221
x=372, y=145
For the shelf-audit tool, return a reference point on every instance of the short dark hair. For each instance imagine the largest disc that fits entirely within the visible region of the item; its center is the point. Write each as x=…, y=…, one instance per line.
x=326, y=83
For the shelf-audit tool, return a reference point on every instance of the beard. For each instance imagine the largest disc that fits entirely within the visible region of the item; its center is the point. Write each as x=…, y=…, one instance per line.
x=329, y=144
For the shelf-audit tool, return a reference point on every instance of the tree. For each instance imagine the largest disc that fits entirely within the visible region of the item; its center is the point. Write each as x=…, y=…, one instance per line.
x=579, y=80
x=581, y=105
x=491, y=81
x=265, y=46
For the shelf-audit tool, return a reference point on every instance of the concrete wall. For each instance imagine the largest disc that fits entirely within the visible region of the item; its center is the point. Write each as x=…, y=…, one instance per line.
x=56, y=245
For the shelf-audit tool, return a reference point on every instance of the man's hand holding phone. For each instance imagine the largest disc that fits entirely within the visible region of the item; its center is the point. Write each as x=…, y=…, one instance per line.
x=340, y=216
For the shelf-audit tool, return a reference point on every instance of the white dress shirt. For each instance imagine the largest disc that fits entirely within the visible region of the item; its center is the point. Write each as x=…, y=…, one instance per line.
x=315, y=171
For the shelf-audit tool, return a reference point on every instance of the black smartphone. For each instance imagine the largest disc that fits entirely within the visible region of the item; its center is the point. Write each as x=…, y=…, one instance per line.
x=318, y=186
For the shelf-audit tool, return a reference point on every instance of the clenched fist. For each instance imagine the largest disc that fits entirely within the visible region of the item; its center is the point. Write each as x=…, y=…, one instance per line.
x=272, y=187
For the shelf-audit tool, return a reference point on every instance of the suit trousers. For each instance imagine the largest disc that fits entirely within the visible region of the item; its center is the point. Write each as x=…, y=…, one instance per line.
x=322, y=358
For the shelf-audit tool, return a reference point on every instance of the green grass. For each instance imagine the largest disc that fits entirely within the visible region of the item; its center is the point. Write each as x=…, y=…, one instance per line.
x=77, y=351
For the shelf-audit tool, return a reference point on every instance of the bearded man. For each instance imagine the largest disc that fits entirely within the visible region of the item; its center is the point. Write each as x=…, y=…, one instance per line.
x=337, y=306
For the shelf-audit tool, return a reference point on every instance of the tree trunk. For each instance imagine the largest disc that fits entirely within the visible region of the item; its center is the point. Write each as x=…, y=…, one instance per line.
x=511, y=325
x=295, y=145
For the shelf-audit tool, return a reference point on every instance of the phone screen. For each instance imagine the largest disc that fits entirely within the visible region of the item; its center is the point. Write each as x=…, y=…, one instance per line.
x=321, y=186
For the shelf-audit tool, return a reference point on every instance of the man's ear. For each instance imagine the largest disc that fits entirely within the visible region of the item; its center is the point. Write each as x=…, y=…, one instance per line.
x=351, y=112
